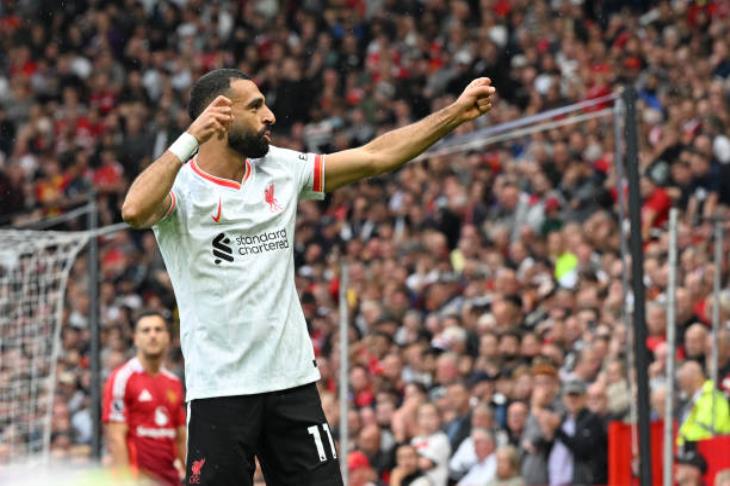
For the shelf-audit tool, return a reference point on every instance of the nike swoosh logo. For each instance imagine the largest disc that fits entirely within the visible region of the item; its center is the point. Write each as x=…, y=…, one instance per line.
x=217, y=217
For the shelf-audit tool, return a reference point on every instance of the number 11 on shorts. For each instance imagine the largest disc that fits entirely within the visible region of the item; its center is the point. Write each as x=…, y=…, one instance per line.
x=314, y=432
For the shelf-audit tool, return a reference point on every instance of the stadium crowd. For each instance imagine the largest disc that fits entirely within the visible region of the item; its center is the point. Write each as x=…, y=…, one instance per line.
x=485, y=296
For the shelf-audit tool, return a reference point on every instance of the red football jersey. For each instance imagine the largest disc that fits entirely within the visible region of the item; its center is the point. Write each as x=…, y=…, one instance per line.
x=153, y=409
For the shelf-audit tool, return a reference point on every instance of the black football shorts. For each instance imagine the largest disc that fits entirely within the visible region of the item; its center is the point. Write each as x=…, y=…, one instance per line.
x=286, y=430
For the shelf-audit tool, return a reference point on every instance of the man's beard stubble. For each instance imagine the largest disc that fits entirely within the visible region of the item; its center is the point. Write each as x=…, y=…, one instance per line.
x=251, y=146
x=159, y=356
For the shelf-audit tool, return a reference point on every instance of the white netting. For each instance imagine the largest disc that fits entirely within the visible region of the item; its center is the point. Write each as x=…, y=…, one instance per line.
x=34, y=268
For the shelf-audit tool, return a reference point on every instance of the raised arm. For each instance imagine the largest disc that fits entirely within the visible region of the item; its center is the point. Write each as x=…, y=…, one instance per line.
x=148, y=199
x=393, y=149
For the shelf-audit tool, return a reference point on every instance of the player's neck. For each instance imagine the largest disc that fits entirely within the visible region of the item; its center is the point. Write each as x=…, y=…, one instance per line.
x=219, y=160
x=151, y=365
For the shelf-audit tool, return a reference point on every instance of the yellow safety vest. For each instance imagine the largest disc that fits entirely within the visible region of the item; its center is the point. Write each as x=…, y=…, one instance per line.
x=699, y=425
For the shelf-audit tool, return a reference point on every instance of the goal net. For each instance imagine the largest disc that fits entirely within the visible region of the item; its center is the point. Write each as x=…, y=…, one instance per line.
x=34, y=268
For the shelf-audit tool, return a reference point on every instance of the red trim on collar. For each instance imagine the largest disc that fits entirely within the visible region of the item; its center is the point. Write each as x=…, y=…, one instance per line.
x=247, y=170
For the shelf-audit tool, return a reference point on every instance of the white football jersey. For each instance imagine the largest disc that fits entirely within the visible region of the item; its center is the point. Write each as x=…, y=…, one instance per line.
x=228, y=249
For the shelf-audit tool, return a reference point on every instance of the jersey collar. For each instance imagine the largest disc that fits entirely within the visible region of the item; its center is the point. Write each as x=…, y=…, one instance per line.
x=247, y=170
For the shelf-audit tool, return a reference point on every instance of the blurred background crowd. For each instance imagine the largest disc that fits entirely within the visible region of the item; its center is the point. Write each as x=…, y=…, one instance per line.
x=485, y=287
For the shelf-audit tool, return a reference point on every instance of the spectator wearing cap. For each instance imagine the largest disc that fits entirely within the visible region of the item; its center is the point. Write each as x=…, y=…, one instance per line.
x=485, y=467
x=481, y=386
x=706, y=412
x=508, y=468
x=360, y=471
x=553, y=220
x=579, y=450
x=406, y=472
x=535, y=446
x=689, y=469
x=432, y=444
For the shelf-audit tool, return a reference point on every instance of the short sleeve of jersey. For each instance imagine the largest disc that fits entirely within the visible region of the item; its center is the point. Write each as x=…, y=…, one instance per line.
x=171, y=218
x=181, y=419
x=113, y=407
x=311, y=176
x=180, y=416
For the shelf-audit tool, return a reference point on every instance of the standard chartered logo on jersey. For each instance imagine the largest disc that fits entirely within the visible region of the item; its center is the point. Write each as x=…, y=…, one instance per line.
x=224, y=248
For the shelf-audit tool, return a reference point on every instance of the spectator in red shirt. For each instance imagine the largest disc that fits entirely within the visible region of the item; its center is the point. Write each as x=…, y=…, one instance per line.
x=143, y=408
x=109, y=177
x=655, y=208
x=361, y=386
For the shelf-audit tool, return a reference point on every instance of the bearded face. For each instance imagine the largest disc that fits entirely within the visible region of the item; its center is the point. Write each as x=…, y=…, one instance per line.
x=250, y=144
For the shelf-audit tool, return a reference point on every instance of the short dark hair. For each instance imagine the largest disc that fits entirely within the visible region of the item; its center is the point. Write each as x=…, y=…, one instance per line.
x=209, y=86
x=162, y=314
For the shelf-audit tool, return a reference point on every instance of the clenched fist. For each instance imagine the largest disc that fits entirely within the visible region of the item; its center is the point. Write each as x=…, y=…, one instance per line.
x=476, y=99
x=215, y=119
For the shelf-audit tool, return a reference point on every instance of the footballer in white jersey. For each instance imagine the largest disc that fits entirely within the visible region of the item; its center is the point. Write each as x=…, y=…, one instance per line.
x=228, y=248
x=224, y=220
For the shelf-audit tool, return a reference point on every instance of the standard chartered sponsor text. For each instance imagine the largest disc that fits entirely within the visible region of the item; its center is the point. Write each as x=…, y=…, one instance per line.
x=262, y=242
x=166, y=433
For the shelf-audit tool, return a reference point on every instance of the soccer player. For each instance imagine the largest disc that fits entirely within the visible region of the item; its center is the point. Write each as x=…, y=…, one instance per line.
x=144, y=408
x=222, y=203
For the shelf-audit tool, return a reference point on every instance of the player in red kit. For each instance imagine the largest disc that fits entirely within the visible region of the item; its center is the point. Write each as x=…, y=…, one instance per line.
x=144, y=408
